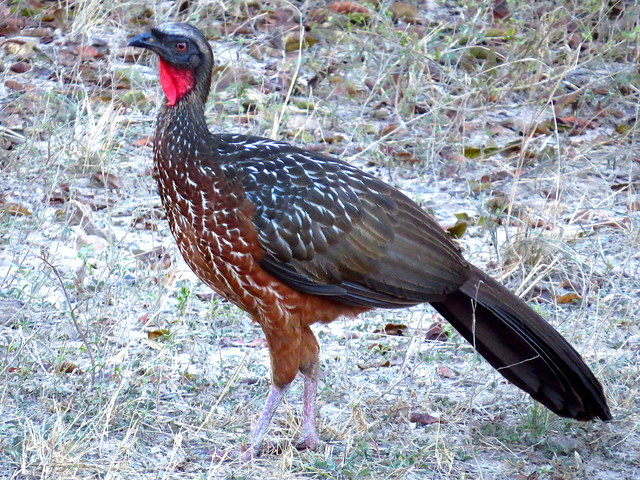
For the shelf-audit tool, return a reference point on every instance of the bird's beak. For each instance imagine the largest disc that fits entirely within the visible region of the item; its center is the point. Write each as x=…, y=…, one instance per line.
x=145, y=40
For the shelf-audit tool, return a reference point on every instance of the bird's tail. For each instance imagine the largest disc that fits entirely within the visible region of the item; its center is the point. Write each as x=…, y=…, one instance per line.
x=524, y=348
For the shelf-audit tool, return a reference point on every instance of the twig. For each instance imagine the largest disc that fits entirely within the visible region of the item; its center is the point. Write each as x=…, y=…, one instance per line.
x=74, y=319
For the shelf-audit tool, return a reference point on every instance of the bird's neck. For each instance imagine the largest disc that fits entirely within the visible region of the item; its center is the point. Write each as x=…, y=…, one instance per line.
x=182, y=134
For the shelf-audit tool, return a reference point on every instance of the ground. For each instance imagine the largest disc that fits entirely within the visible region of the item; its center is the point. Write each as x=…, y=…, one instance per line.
x=515, y=123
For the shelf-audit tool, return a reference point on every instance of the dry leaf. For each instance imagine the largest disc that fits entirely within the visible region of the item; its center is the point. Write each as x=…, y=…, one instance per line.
x=388, y=129
x=293, y=42
x=445, y=372
x=424, y=419
x=500, y=10
x=562, y=101
x=477, y=152
x=158, y=258
x=458, y=229
x=17, y=86
x=94, y=242
x=15, y=209
x=20, y=67
x=107, y=180
x=89, y=52
x=406, y=12
x=144, y=142
x=407, y=157
x=347, y=7
x=20, y=49
x=436, y=332
x=155, y=334
x=368, y=366
x=568, y=298
x=68, y=367
x=396, y=329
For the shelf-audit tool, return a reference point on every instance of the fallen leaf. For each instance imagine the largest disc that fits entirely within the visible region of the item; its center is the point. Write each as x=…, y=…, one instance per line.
x=623, y=223
x=10, y=24
x=395, y=329
x=424, y=419
x=107, y=180
x=15, y=210
x=436, y=332
x=569, y=285
x=293, y=42
x=498, y=203
x=20, y=67
x=458, y=230
x=347, y=7
x=634, y=206
x=568, y=298
x=445, y=372
x=561, y=101
x=68, y=367
x=407, y=157
x=625, y=128
x=20, y=49
x=155, y=334
x=500, y=10
x=191, y=377
x=144, y=142
x=383, y=364
x=477, y=152
x=406, y=12
x=333, y=137
x=388, y=129
x=17, y=86
x=90, y=52
x=574, y=121
x=158, y=258
x=93, y=242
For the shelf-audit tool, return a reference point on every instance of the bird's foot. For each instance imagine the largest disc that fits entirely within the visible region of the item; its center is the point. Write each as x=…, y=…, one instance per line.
x=248, y=453
x=308, y=442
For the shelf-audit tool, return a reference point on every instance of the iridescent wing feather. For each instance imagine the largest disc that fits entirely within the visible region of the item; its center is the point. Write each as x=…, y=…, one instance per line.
x=329, y=229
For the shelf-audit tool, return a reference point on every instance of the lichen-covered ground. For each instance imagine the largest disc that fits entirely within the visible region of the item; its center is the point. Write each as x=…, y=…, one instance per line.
x=515, y=123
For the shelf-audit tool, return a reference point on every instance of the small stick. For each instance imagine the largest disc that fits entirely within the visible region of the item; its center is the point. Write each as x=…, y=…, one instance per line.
x=56, y=272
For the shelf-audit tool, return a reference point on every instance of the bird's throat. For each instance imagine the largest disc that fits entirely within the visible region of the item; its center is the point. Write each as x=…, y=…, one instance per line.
x=176, y=82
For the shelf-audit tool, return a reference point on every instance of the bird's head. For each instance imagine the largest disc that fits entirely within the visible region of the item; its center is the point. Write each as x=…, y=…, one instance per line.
x=185, y=62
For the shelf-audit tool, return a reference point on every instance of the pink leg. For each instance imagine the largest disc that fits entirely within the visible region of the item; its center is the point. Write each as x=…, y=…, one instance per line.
x=309, y=439
x=273, y=400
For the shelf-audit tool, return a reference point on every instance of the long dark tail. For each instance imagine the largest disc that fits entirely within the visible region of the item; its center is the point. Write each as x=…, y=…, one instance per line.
x=524, y=348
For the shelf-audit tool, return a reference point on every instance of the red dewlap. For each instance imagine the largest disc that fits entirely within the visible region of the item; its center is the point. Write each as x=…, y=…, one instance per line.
x=175, y=82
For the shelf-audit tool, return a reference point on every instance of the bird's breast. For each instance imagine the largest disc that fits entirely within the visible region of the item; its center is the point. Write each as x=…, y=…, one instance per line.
x=210, y=220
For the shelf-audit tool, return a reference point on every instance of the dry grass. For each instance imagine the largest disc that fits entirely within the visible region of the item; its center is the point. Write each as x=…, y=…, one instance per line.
x=115, y=366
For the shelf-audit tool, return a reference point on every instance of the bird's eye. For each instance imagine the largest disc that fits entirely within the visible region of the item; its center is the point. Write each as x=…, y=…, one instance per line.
x=181, y=46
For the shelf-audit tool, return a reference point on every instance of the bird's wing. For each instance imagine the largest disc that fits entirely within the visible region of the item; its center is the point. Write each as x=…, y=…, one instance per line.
x=328, y=228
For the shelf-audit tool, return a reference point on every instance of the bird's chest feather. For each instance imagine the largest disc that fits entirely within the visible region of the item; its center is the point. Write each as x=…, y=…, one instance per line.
x=210, y=220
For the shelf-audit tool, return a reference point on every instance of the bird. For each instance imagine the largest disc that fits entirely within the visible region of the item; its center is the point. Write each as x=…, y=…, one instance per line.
x=295, y=237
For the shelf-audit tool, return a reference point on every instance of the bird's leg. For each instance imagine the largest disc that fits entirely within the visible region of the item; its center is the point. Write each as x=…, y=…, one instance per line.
x=276, y=393
x=309, y=351
x=283, y=339
x=309, y=438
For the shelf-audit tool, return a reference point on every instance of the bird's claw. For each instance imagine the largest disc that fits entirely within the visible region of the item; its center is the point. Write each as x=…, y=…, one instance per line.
x=309, y=442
